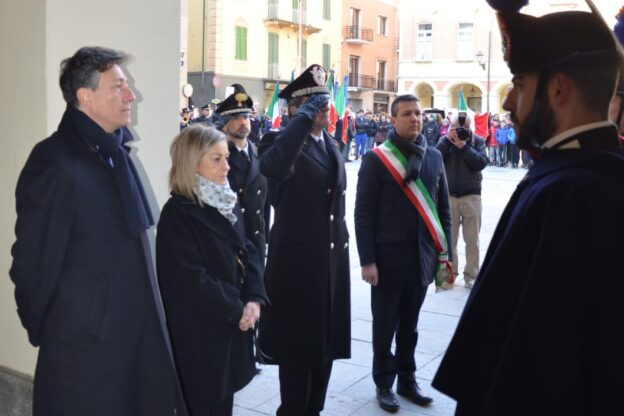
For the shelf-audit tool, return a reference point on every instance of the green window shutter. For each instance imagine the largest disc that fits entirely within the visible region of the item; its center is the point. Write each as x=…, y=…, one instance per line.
x=326, y=55
x=237, y=53
x=273, y=48
x=304, y=54
x=241, y=43
x=244, y=55
x=327, y=9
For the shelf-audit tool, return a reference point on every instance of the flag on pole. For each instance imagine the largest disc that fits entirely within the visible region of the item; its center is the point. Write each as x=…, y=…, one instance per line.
x=461, y=102
x=341, y=105
x=481, y=124
x=330, y=83
x=333, y=116
x=275, y=112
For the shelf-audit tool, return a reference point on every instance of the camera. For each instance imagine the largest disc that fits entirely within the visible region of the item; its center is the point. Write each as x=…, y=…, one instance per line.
x=463, y=133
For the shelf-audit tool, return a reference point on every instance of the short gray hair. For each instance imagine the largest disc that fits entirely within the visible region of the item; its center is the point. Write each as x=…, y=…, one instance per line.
x=84, y=68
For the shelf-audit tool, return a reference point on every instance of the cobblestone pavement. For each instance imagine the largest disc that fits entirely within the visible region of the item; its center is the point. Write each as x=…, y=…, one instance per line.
x=351, y=388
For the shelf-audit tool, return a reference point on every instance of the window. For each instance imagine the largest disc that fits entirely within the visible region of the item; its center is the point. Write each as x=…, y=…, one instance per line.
x=424, y=42
x=354, y=17
x=299, y=13
x=326, y=56
x=381, y=75
x=304, y=54
x=273, y=48
x=354, y=71
x=465, y=42
x=273, y=9
x=273, y=55
x=241, y=43
x=354, y=31
x=327, y=9
x=382, y=23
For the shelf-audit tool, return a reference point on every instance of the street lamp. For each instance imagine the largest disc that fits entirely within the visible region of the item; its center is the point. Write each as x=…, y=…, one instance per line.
x=481, y=60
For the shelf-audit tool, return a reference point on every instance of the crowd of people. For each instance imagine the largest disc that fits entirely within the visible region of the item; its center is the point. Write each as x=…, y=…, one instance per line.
x=538, y=335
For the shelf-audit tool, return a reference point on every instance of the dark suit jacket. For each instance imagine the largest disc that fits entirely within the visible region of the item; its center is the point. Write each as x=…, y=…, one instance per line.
x=307, y=272
x=251, y=187
x=389, y=230
x=83, y=288
x=207, y=273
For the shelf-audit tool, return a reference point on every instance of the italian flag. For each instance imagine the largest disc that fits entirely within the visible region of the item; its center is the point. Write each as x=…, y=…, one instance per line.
x=340, y=105
x=333, y=116
x=274, y=109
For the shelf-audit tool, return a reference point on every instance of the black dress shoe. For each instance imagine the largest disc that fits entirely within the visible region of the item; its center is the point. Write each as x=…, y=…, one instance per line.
x=414, y=393
x=387, y=400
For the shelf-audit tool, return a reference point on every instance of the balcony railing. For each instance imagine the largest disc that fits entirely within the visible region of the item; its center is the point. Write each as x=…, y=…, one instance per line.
x=282, y=19
x=385, y=85
x=358, y=33
x=361, y=81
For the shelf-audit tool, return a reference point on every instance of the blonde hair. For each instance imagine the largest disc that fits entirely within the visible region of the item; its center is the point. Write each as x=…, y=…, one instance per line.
x=186, y=152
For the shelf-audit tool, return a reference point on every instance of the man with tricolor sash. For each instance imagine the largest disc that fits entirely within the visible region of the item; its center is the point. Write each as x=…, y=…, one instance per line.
x=403, y=225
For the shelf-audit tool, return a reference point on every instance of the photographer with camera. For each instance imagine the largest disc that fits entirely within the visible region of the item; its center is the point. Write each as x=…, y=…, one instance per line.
x=464, y=158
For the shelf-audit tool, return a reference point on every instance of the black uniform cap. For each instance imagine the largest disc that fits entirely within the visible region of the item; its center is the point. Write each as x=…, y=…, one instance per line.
x=235, y=104
x=311, y=81
x=553, y=40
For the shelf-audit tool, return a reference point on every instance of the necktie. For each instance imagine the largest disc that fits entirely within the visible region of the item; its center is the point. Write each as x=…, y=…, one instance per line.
x=321, y=145
x=245, y=155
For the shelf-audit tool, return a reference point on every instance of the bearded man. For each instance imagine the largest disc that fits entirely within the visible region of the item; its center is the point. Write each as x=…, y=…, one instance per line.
x=539, y=332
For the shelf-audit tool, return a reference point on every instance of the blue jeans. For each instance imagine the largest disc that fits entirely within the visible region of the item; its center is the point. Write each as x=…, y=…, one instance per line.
x=502, y=154
x=492, y=153
x=360, y=144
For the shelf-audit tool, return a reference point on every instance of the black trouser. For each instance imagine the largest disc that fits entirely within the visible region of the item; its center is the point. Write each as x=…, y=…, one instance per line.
x=303, y=388
x=395, y=312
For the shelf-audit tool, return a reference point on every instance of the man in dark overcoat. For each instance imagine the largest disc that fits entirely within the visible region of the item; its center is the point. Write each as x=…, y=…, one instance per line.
x=84, y=280
x=397, y=252
x=244, y=176
x=308, y=324
x=540, y=333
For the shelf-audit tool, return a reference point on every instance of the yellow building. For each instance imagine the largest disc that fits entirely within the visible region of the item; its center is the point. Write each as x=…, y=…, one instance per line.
x=256, y=43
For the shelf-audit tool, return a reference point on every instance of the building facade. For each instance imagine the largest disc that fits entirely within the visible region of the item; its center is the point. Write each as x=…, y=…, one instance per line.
x=455, y=45
x=369, y=52
x=258, y=43
x=450, y=46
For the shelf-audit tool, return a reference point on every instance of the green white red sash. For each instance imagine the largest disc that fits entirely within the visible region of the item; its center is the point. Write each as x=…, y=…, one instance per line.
x=419, y=196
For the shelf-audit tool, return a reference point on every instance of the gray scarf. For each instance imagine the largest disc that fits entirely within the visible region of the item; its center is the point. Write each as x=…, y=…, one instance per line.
x=414, y=151
x=218, y=196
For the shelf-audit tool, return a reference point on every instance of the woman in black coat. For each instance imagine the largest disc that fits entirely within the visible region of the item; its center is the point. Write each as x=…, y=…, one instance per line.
x=208, y=273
